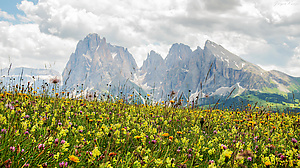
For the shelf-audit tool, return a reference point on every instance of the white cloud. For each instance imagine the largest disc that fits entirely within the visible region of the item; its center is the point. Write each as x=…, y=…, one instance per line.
x=25, y=45
x=262, y=32
x=6, y=16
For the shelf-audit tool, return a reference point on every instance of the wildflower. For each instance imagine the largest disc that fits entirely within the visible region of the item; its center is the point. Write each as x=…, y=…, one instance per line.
x=170, y=138
x=179, y=132
x=62, y=141
x=26, y=165
x=63, y=164
x=165, y=134
x=294, y=140
x=137, y=137
x=249, y=158
x=56, y=141
x=74, y=158
x=282, y=157
x=54, y=80
x=12, y=148
x=211, y=162
x=223, y=146
x=268, y=163
x=41, y=146
x=26, y=133
x=96, y=152
x=153, y=141
x=3, y=131
x=112, y=154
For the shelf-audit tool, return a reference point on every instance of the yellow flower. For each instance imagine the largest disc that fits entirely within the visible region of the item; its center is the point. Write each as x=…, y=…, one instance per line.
x=74, y=158
x=179, y=132
x=137, y=137
x=268, y=163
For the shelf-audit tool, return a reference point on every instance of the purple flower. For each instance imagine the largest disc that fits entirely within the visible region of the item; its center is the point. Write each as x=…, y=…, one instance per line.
x=22, y=151
x=178, y=150
x=62, y=164
x=26, y=165
x=282, y=157
x=80, y=131
x=211, y=162
x=12, y=148
x=26, y=133
x=249, y=158
x=153, y=141
x=190, y=150
x=26, y=116
x=62, y=141
x=294, y=140
x=215, y=132
x=3, y=131
x=41, y=146
x=59, y=123
x=56, y=141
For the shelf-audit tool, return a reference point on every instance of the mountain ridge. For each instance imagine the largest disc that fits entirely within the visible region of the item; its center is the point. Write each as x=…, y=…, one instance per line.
x=97, y=64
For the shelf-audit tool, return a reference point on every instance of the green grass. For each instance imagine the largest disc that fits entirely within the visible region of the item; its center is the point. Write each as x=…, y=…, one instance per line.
x=43, y=131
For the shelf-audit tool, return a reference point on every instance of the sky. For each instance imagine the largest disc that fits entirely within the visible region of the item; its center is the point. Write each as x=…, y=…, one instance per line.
x=44, y=33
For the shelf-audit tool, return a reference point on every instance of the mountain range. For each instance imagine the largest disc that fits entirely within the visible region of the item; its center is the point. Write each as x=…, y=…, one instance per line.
x=212, y=71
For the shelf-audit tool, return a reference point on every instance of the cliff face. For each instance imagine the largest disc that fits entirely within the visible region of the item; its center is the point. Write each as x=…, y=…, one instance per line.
x=97, y=63
x=212, y=70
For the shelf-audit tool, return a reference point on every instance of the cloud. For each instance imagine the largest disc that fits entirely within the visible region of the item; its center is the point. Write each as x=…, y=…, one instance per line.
x=221, y=5
x=265, y=32
x=25, y=45
x=6, y=16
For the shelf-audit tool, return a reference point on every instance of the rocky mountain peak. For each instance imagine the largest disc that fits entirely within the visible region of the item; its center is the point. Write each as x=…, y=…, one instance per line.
x=153, y=61
x=178, y=55
x=97, y=63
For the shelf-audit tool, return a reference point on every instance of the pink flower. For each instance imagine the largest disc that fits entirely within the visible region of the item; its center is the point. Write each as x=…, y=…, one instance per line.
x=12, y=148
x=41, y=146
x=63, y=164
